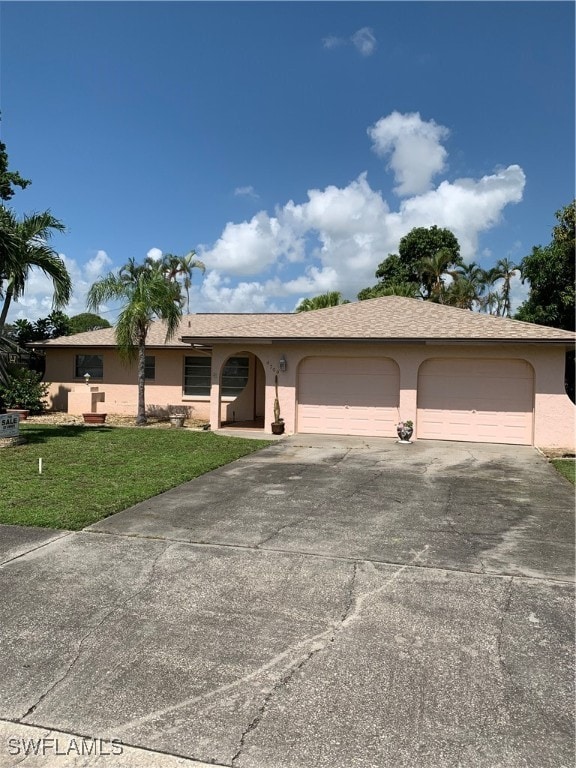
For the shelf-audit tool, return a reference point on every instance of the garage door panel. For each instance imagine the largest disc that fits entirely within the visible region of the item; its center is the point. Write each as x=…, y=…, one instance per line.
x=476, y=400
x=335, y=389
x=353, y=396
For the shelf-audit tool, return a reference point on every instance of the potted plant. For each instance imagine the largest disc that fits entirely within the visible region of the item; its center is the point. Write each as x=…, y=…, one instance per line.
x=94, y=418
x=177, y=415
x=278, y=423
x=405, y=429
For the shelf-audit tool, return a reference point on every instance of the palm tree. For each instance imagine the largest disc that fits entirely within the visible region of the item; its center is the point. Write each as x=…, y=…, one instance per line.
x=182, y=266
x=490, y=301
x=330, y=299
x=468, y=286
x=462, y=293
x=147, y=294
x=23, y=245
x=506, y=270
x=432, y=270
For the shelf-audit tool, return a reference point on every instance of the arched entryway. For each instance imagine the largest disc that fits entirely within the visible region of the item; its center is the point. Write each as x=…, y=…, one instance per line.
x=242, y=392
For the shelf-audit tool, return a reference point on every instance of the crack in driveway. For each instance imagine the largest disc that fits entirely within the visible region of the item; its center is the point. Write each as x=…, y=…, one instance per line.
x=91, y=631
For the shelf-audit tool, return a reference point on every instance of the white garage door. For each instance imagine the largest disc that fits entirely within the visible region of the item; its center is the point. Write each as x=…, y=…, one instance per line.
x=482, y=401
x=348, y=396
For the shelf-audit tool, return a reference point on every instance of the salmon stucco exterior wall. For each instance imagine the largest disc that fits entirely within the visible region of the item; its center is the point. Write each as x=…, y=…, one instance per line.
x=119, y=383
x=553, y=413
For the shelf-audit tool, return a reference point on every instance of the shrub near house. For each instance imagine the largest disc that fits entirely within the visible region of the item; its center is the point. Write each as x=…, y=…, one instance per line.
x=24, y=389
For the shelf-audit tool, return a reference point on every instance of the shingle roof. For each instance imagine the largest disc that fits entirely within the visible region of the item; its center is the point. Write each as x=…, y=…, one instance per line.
x=386, y=318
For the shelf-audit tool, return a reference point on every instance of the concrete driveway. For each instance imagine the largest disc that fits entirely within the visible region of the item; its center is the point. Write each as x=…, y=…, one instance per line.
x=321, y=604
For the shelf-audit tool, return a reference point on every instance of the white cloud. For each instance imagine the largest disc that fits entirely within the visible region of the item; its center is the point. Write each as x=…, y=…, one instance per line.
x=414, y=149
x=364, y=41
x=465, y=206
x=334, y=239
x=246, y=192
x=155, y=254
x=354, y=230
x=38, y=294
x=98, y=265
x=216, y=295
x=333, y=42
x=518, y=292
x=249, y=247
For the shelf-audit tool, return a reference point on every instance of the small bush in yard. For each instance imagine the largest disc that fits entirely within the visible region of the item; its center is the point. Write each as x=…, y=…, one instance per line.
x=24, y=389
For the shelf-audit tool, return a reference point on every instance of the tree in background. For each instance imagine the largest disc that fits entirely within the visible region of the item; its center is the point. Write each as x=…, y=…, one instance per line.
x=550, y=271
x=330, y=299
x=147, y=294
x=467, y=288
x=425, y=257
x=180, y=267
x=55, y=325
x=87, y=321
x=428, y=266
x=9, y=179
x=505, y=270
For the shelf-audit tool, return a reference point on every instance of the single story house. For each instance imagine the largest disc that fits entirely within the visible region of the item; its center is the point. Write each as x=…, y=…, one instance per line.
x=355, y=369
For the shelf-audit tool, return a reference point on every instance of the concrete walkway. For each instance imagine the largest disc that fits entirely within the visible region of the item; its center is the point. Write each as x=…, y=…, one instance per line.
x=322, y=603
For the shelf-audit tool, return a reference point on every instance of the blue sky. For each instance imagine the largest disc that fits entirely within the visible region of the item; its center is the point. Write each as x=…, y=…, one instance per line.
x=291, y=144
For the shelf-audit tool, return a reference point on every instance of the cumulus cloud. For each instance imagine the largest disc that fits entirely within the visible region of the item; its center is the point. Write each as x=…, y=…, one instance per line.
x=217, y=295
x=98, y=265
x=37, y=299
x=155, y=254
x=413, y=147
x=363, y=40
x=465, y=206
x=335, y=237
x=353, y=230
x=251, y=246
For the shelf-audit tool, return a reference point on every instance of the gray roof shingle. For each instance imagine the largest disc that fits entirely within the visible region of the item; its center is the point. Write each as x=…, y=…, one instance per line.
x=393, y=318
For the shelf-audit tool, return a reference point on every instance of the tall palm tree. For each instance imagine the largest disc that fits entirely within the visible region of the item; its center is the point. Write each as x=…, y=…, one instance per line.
x=330, y=299
x=147, y=294
x=462, y=293
x=182, y=266
x=506, y=270
x=432, y=270
x=23, y=245
x=490, y=301
x=467, y=289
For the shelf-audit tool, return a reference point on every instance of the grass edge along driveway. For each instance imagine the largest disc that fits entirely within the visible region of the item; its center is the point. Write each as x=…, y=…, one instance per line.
x=566, y=468
x=89, y=473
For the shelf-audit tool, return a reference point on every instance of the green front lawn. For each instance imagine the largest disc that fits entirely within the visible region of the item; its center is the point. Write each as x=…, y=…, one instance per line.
x=91, y=472
x=566, y=467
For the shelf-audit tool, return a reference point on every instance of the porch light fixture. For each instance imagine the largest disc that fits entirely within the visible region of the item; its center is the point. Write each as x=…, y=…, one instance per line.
x=87, y=378
x=283, y=364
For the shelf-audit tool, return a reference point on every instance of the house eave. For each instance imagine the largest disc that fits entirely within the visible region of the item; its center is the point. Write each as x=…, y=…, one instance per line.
x=432, y=341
